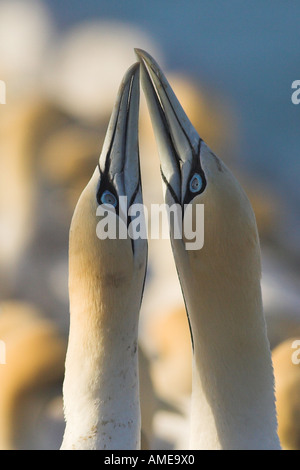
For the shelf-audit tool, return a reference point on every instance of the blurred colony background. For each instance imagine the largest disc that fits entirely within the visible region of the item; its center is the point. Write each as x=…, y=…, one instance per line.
x=231, y=65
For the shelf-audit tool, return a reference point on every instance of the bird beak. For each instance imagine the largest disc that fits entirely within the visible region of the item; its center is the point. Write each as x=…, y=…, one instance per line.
x=178, y=141
x=119, y=159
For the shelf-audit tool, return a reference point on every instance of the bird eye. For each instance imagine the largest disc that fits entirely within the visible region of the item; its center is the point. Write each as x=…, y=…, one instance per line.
x=109, y=198
x=196, y=183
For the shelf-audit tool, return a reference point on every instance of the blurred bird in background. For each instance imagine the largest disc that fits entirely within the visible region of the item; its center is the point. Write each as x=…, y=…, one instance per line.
x=61, y=87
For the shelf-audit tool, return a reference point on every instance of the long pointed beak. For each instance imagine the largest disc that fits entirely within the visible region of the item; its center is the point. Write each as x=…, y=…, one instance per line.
x=177, y=140
x=119, y=159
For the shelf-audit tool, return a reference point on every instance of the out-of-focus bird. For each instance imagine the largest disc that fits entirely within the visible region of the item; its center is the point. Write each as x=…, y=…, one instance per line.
x=286, y=361
x=90, y=53
x=26, y=31
x=31, y=414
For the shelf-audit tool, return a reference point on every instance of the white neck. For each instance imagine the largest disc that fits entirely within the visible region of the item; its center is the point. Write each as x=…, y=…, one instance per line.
x=101, y=388
x=101, y=393
x=233, y=405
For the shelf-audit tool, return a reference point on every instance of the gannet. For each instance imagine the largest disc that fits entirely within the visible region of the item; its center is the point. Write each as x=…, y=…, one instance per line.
x=232, y=405
x=286, y=361
x=31, y=377
x=106, y=278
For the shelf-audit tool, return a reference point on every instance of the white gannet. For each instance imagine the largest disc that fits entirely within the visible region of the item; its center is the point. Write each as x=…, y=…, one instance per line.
x=286, y=361
x=106, y=278
x=232, y=405
x=30, y=393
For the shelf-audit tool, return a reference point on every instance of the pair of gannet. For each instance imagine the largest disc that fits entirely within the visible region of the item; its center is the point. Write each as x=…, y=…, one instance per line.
x=233, y=404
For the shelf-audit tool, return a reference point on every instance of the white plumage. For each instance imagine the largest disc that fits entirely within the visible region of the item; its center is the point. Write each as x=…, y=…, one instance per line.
x=101, y=386
x=233, y=405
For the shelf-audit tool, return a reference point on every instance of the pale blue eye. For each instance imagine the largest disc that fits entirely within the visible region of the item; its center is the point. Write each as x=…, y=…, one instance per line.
x=109, y=198
x=196, y=183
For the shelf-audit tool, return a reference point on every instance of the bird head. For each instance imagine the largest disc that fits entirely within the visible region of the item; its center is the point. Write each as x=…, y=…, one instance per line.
x=98, y=253
x=193, y=176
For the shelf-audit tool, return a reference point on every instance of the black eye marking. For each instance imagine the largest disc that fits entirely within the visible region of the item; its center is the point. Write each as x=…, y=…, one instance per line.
x=196, y=185
x=197, y=180
x=106, y=192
